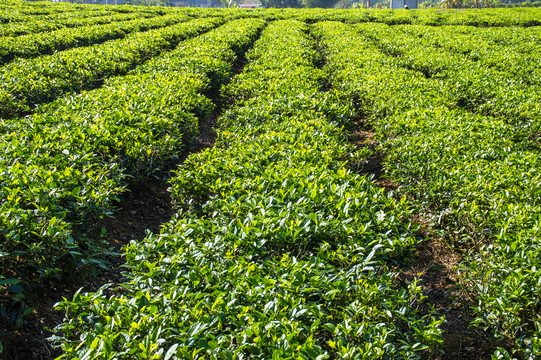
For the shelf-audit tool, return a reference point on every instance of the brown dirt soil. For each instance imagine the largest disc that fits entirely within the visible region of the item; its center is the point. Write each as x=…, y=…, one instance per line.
x=145, y=206
x=363, y=136
x=435, y=267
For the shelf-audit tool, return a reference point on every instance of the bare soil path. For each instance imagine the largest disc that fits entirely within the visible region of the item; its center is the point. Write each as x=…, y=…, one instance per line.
x=145, y=206
x=435, y=266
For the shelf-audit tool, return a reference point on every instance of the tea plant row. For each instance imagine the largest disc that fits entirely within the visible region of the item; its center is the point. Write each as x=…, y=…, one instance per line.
x=470, y=17
x=63, y=167
x=513, y=50
x=474, y=168
x=50, y=42
x=498, y=81
x=38, y=24
x=24, y=11
x=277, y=251
x=29, y=82
x=27, y=12
x=21, y=10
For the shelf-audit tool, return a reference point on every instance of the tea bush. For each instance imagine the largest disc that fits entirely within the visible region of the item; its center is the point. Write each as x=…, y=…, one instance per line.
x=64, y=166
x=477, y=175
x=278, y=251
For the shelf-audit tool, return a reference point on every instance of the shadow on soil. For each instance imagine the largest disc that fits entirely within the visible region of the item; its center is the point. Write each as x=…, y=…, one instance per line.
x=145, y=206
x=434, y=265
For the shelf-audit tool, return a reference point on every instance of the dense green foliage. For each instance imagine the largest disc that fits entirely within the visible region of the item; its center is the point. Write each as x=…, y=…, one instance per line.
x=49, y=42
x=461, y=136
x=14, y=26
x=62, y=168
x=28, y=82
x=277, y=250
x=469, y=17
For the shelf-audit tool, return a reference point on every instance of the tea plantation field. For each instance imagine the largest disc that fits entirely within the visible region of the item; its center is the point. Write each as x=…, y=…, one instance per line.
x=285, y=243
